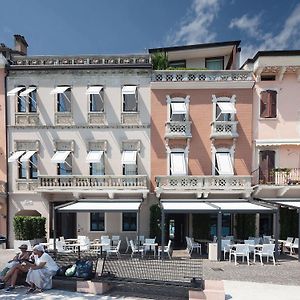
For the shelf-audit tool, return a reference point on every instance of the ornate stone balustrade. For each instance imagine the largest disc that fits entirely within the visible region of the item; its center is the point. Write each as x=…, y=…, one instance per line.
x=28, y=119
x=201, y=75
x=224, y=129
x=178, y=129
x=81, y=60
x=96, y=118
x=130, y=118
x=64, y=118
x=204, y=184
x=27, y=184
x=100, y=182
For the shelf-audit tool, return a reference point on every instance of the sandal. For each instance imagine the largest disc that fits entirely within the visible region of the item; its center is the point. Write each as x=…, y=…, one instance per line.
x=31, y=290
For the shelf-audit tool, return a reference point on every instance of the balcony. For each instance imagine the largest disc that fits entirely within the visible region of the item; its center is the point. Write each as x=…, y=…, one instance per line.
x=27, y=119
x=78, y=183
x=224, y=130
x=279, y=176
x=204, y=185
x=178, y=129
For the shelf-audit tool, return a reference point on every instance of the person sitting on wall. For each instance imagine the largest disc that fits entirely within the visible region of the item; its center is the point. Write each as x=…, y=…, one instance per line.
x=13, y=267
x=39, y=275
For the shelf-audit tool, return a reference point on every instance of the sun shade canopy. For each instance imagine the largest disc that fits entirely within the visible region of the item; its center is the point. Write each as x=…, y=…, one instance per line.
x=15, y=156
x=102, y=206
x=129, y=89
x=129, y=157
x=178, y=108
x=28, y=91
x=94, y=156
x=224, y=163
x=27, y=156
x=94, y=90
x=60, y=157
x=14, y=91
x=178, y=164
x=227, y=107
x=59, y=90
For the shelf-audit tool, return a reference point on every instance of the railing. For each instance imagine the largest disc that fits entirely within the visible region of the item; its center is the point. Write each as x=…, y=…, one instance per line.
x=100, y=182
x=201, y=75
x=282, y=176
x=224, y=129
x=207, y=183
x=28, y=119
x=178, y=129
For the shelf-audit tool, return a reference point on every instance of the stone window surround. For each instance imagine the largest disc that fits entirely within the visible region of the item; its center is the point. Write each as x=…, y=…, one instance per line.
x=215, y=100
x=170, y=99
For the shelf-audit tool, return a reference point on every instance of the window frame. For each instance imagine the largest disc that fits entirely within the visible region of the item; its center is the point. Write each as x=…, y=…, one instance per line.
x=61, y=165
x=214, y=158
x=101, y=98
x=33, y=167
x=136, y=101
x=67, y=98
x=28, y=101
x=90, y=222
x=136, y=221
x=269, y=117
x=101, y=166
x=215, y=58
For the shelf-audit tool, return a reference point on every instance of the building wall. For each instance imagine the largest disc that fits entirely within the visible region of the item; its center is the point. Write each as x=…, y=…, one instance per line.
x=201, y=114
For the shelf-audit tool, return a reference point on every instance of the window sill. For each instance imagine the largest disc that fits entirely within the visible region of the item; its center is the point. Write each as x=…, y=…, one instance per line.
x=268, y=119
x=130, y=118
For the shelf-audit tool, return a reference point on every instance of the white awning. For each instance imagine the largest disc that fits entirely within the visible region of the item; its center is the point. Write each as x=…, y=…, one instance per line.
x=129, y=89
x=103, y=206
x=295, y=204
x=185, y=205
x=94, y=90
x=277, y=142
x=290, y=202
x=94, y=156
x=129, y=157
x=59, y=90
x=178, y=164
x=178, y=108
x=28, y=91
x=60, y=157
x=239, y=206
x=15, y=156
x=27, y=156
x=224, y=163
x=227, y=107
x=14, y=91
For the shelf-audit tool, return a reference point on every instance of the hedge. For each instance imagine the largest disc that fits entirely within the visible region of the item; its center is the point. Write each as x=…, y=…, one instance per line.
x=29, y=228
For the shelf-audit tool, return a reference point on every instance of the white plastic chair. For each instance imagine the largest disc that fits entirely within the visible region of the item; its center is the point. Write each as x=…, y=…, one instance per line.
x=84, y=243
x=114, y=250
x=225, y=246
x=295, y=245
x=105, y=237
x=229, y=237
x=191, y=245
x=60, y=248
x=115, y=239
x=241, y=250
x=106, y=247
x=141, y=238
x=149, y=248
x=167, y=249
x=251, y=244
x=288, y=244
x=266, y=251
x=136, y=249
x=127, y=244
x=267, y=239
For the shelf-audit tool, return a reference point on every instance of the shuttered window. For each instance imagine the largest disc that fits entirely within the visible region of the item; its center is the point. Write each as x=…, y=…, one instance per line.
x=268, y=104
x=266, y=166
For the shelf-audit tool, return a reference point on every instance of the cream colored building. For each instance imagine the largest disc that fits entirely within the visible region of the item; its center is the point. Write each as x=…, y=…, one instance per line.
x=79, y=128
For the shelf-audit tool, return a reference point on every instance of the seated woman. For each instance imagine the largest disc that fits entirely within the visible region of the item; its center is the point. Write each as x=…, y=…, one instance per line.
x=40, y=273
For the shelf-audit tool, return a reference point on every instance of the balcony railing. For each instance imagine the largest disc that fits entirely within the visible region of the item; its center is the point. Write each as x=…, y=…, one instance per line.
x=282, y=176
x=100, y=182
x=201, y=75
x=204, y=183
x=224, y=129
x=178, y=129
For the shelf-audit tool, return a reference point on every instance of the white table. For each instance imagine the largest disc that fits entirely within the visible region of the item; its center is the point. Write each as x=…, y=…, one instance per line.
x=151, y=245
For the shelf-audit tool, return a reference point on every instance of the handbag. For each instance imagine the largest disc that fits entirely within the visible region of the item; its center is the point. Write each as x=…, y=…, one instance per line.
x=84, y=269
x=71, y=271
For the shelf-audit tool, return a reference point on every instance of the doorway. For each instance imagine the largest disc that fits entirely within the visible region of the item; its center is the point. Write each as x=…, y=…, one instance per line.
x=176, y=229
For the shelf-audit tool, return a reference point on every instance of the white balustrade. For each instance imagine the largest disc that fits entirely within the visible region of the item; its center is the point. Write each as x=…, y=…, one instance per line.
x=178, y=129
x=224, y=129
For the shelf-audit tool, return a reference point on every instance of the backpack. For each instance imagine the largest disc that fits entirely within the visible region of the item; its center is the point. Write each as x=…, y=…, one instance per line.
x=84, y=269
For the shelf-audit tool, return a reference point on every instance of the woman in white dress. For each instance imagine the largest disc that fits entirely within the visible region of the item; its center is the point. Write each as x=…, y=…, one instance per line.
x=40, y=273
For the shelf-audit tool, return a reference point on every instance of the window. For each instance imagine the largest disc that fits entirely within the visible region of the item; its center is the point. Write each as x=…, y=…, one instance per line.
x=178, y=163
x=64, y=101
x=129, y=162
x=22, y=166
x=65, y=168
x=223, y=163
x=97, y=222
x=130, y=99
x=32, y=101
x=266, y=166
x=129, y=221
x=268, y=77
x=21, y=103
x=33, y=172
x=177, y=64
x=268, y=104
x=27, y=100
x=214, y=63
x=97, y=168
x=178, y=111
x=96, y=103
x=225, y=111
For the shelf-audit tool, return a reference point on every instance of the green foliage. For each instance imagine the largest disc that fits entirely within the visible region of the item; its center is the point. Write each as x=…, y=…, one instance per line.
x=155, y=218
x=29, y=228
x=245, y=226
x=159, y=61
x=201, y=226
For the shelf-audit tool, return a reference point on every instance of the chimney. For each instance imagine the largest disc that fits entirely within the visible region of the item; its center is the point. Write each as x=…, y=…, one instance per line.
x=20, y=44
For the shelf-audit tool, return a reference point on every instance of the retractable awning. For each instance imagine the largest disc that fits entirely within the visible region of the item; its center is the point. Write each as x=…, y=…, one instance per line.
x=28, y=91
x=94, y=90
x=59, y=90
x=103, y=206
x=224, y=162
x=277, y=142
x=227, y=107
x=129, y=89
x=94, y=156
x=60, y=157
x=178, y=164
x=15, y=156
x=288, y=202
x=178, y=108
x=14, y=91
x=129, y=157
x=27, y=156
x=187, y=206
x=240, y=206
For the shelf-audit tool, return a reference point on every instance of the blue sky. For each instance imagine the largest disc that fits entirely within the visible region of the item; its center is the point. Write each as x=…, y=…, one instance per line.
x=132, y=26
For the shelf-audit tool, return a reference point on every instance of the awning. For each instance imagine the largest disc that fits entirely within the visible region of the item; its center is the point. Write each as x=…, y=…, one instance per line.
x=240, y=206
x=59, y=90
x=103, y=206
x=277, y=142
x=178, y=108
x=27, y=156
x=94, y=156
x=60, y=157
x=288, y=202
x=15, y=156
x=28, y=91
x=187, y=206
x=224, y=163
x=94, y=90
x=129, y=89
x=178, y=164
x=227, y=107
x=129, y=157
x=14, y=91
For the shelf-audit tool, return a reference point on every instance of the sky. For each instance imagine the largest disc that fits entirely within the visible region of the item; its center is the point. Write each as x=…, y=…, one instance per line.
x=68, y=27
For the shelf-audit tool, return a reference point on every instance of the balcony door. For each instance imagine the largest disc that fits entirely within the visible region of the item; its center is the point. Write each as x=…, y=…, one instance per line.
x=266, y=166
x=177, y=229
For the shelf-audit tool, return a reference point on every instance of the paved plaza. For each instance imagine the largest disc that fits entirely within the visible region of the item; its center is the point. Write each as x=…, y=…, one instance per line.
x=241, y=282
